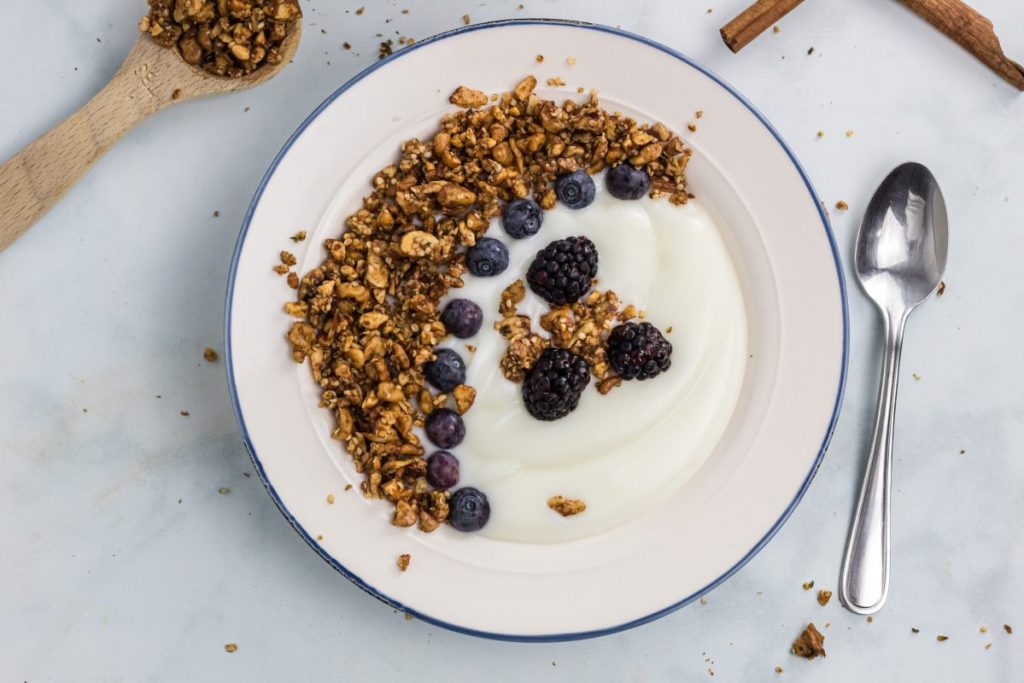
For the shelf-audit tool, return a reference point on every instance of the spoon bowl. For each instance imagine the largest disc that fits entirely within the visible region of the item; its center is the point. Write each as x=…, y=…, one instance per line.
x=899, y=258
x=901, y=248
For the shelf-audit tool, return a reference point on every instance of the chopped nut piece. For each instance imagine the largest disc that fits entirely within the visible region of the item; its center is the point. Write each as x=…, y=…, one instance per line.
x=209, y=355
x=823, y=597
x=607, y=384
x=566, y=507
x=810, y=644
x=418, y=244
x=403, y=561
x=524, y=88
x=467, y=98
x=464, y=396
x=1008, y=629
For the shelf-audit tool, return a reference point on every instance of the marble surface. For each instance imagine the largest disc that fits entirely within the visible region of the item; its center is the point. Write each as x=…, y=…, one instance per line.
x=123, y=562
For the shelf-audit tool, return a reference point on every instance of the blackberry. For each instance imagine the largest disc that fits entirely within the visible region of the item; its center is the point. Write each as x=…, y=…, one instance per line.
x=562, y=271
x=638, y=351
x=554, y=384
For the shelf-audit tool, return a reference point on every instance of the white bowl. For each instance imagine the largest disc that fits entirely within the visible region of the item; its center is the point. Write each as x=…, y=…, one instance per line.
x=792, y=281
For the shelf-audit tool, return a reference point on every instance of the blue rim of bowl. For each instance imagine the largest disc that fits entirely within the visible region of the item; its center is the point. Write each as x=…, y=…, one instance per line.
x=556, y=637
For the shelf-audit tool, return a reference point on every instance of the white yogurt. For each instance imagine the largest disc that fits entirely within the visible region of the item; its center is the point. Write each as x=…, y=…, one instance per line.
x=624, y=451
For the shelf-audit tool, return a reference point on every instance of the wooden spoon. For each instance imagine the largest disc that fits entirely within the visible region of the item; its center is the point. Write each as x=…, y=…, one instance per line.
x=151, y=79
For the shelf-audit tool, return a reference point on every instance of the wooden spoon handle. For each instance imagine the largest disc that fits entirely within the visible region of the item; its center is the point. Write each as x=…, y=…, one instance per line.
x=35, y=178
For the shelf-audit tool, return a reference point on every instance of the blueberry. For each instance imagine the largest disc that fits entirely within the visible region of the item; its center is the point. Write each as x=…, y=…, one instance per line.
x=487, y=257
x=522, y=218
x=626, y=182
x=445, y=428
x=469, y=509
x=575, y=190
x=442, y=470
x=462, y=318
x=447, y=371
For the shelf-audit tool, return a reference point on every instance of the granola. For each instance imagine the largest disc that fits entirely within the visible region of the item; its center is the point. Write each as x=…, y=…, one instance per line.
x=369, y=315
x=230, y=38
x=567, y=507
x=810, y=644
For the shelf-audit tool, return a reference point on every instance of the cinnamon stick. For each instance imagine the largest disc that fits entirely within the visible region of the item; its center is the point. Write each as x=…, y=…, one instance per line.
x=974, y=33
x=752, y=21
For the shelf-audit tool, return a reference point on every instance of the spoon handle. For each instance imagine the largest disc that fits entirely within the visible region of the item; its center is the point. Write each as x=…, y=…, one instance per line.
x=34, y=179
x=864, y=581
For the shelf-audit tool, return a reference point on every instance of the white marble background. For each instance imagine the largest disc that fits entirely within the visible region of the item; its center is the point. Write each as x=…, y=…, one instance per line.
x=122, y=562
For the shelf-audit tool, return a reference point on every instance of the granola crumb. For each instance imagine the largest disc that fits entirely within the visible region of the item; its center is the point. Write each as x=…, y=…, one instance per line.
x=842, y=206
x=540, y=59
x=823, y=597
x=820, y=134
x=223, y=490
x=776, y=29
x=580, y=90
x=288, y=258
x=571, y=61
x=988, y=646
x=330, y=499
x=359, y=12
x=698, y=114
x=810, y=51
x=849, y=133
x=808, y=585
x=471, y=348
x=347, y=45
x=809, y=644
x=941, y=638
x=942, y=288
x=870, y=619
x=778, y=669
x=692, y=127
x=567, y=507
x=465, y=19
x=209, y=355
x=231, y=647
x=319, y=537
x=216, y=214
x=555, y=82
x=348, y=487
x=299, y=236
x=403, y=561
x=467, y=97
x=1008, y=629
x=184, y=413
x=668, y=330
x=917, y=377
x=828, y=624
x=176, y=95
x=703, y=601
x=914, y=630
x=385, y=49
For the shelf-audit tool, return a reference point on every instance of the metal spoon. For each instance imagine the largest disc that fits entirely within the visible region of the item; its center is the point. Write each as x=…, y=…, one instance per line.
x=900, y=257
x=151, y=79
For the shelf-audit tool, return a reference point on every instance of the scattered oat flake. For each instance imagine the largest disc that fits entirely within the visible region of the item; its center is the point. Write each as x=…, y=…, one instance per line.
x=942, y=288
x=917, y=377
x=941, y=638
x=808, y=585
x=567, y=507
x=223, y=490
x=330, y=499
x=299, y=236
x=823, y=597
x=842, y=206
x=571, y=61
x=359, y=12
x=810, y=644
x=403, y=561
x=230, y=647
x=465, y=19
x=1008, y=629
x=209, y=355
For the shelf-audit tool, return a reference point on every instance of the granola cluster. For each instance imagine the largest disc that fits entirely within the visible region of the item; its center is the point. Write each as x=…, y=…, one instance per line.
x=581, y=327
x=229, y=38
x=369, y=314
